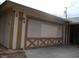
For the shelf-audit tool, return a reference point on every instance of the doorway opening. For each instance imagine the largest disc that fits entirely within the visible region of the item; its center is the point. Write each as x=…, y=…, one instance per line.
x=74, y=34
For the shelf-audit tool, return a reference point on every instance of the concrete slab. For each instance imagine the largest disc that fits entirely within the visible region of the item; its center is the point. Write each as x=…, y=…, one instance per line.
x=54, y=52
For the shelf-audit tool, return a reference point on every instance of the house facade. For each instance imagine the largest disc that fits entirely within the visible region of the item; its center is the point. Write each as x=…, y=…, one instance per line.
x=24, y=27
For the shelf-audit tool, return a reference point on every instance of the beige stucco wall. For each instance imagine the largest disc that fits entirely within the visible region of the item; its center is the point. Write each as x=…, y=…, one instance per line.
x=43, y=29
x=5, y=28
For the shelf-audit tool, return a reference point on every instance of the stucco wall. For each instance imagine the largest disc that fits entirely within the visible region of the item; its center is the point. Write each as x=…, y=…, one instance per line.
x=43, y=29
x=5, y=29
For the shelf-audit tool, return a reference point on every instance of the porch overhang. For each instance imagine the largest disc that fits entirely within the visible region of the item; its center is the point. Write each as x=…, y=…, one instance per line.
x=31, y=12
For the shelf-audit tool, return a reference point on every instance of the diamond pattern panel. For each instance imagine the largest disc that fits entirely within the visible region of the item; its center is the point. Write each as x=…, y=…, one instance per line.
x=43, y=42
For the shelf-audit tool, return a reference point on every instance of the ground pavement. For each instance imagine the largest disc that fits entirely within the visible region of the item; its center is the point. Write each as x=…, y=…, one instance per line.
x=54, y=52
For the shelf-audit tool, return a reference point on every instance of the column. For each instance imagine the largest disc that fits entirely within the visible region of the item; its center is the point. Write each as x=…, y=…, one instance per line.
x=23, y=31
x=15, y=30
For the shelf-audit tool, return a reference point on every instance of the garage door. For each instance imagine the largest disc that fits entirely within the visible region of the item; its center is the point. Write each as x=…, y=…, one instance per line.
x=43, y=34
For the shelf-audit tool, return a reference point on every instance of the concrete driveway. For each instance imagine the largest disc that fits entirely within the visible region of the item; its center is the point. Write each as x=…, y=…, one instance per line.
x=54, y=52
